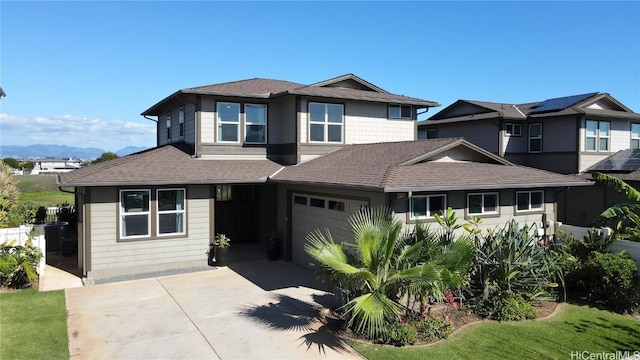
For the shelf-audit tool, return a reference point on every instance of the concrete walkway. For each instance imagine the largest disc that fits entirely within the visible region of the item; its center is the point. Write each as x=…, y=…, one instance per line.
x=56, y=279
x=260, y=310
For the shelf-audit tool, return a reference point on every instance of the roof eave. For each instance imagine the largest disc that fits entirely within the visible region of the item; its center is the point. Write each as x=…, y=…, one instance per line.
x=485, y=187
x=164, y=182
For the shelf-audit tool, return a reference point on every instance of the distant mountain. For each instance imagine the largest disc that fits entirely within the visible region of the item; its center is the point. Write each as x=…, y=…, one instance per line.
x=44, y=150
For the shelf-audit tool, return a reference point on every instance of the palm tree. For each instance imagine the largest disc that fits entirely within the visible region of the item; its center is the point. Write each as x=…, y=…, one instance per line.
x=383, y=264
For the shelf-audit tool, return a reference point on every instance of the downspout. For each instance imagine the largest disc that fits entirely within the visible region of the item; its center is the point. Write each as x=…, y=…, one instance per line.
x=84, y=232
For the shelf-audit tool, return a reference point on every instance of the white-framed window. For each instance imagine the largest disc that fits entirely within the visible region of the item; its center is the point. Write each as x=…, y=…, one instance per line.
x=426, y=206
x=530, y=200
x=255, y=124
x=181, y=121
x=325, y=122
x=135, y=217
x=171, y=219
x=400, y=111
x=535, y=138
x=228, y=122
x=483, y=204
x=635, y=136
x=597, y=135
x=168, y=117
x=513, y=129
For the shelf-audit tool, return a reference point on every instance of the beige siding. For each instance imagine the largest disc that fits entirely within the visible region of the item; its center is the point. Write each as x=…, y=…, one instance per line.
x=207, y=119
x=620, y=135
x=368, y=123
x=109, y=254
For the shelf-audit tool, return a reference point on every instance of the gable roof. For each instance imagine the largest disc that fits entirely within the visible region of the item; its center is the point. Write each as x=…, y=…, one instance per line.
x=347, y=86
x=169, y=164
x=420, y=166
x=467, y=110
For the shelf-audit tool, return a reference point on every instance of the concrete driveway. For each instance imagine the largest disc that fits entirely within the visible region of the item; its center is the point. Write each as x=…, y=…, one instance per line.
x=261, y=310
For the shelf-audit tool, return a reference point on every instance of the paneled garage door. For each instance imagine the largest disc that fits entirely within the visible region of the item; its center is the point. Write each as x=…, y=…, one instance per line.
x=312, y=212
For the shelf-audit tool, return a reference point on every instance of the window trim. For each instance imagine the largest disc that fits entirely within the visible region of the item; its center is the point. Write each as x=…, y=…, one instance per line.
x=513, y=127
x=183, y=212
x=534, y=138
x=181, y=121
x=122, y=214
x=219, y=122
x=400, y=106
x=247, y=123
x=325, y=124
x=597, y=136
x=530, y=209
x=427, y=197
x=168, y=119
x=484, y=213
x=634, y=138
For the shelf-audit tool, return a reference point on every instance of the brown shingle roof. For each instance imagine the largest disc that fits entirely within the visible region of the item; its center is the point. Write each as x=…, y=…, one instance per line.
x=269, y=88
x=169, y=164
x=397, y=166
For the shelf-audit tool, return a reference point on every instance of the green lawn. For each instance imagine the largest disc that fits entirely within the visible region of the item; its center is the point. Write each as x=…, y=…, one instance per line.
x=575, y=329
x=42, y=190
x=33, y=325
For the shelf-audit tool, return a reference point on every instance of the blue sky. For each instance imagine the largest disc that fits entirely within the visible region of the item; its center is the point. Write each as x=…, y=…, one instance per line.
x=80, y=73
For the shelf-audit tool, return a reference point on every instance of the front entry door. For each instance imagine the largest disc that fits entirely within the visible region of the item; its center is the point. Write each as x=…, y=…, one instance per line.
x=237, y=213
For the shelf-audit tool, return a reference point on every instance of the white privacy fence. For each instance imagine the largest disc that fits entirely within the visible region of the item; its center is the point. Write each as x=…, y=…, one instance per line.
x=632, y=247
x=21, y=235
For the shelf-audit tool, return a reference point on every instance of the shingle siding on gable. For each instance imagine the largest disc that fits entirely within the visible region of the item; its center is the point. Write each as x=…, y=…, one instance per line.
x=368, y=123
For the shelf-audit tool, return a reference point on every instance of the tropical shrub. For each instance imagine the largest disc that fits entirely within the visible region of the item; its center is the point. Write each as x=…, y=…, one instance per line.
x=625, y=217
x=432, y=328
x=504, y=307
x=384, y=264
x=398, y=334
x=18, y=264
x=611, y=279
x=22, y=214
x=510, y=268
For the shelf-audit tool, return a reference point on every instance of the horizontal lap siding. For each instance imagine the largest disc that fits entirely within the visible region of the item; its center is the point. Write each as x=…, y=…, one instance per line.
x=108, y=253
x=368, y=123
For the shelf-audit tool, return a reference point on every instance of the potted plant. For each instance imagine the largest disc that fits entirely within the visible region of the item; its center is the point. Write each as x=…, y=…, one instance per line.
x=219, y=251
x=273, y=245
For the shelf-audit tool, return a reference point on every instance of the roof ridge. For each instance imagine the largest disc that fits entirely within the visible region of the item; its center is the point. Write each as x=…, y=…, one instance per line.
x=239, y=81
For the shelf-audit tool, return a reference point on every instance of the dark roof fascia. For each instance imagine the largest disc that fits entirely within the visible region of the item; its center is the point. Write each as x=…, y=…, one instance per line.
x=163, y=182
x=332, y=185
x=367, y=98
x=459, y=142
x=486, y=187
x=350, y=76
x=476, y=117
x=152, y=111
x=457, y=103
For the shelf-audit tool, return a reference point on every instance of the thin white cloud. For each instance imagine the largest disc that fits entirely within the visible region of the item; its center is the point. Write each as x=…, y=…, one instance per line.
x=75, y=131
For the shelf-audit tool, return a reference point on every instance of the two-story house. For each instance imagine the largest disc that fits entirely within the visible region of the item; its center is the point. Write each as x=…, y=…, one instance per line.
x=565, y=135
x=246, y=157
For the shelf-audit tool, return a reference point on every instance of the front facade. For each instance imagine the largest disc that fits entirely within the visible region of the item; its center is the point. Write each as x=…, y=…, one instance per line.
x=247, y=157
x=565, y=135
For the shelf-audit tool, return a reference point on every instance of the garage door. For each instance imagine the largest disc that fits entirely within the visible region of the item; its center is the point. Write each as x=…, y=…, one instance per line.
x=312, y=212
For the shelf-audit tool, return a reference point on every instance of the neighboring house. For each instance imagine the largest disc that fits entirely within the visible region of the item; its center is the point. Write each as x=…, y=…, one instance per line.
x=52, y=165
x=565, y=135
x=586, y=205
x=246, y=157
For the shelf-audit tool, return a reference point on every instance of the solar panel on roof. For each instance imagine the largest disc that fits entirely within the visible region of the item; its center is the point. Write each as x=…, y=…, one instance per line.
x=560, y=103
x=625, y=160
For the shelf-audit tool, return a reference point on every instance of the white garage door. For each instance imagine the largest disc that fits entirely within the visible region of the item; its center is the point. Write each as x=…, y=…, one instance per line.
x=312, y=212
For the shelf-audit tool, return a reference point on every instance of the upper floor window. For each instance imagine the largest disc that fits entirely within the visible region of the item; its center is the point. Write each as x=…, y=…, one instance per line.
x=228, y=122
x=513, y=129
x=400, y=111
x=171, y=212
x=635, y=136
x=535, y=138
x=181, y=121
x=135, y=218
x=168, y=126
x=530, y=200
x=426, y=206
x=597, y=135
x=482, y=204
x=255, y=124
x=325, y=122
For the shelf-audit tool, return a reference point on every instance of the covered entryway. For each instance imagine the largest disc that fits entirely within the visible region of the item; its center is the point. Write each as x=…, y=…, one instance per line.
x=310, y=212
x=237, y=213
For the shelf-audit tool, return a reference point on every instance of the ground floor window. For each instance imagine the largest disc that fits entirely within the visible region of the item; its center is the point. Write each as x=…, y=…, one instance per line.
x=426, y=206
x=482, y=204
x=135, y=219
x=530, y=200
x=171, y=212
